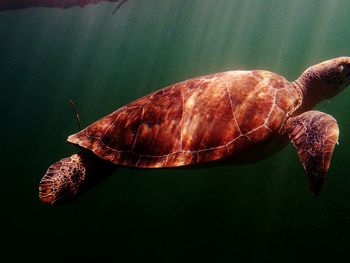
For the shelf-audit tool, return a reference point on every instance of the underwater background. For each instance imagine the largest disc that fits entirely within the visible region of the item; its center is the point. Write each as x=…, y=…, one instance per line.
x=261, y=212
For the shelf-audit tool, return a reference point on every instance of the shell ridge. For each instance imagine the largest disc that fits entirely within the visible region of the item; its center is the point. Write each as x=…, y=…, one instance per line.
x=164, y=155
x=138, y=128
x=112, y=124
x=181, y=121
x=233, y=113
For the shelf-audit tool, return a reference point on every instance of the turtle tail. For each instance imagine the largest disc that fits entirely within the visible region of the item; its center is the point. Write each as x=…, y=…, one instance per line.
x=68, y=177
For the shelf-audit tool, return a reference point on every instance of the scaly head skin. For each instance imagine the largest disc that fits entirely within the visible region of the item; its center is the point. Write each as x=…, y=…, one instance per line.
x=323, y=81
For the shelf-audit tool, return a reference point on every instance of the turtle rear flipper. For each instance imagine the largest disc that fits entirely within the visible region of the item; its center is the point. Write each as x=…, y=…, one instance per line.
x=70, y=176
x=62, y=180
x=314, y=135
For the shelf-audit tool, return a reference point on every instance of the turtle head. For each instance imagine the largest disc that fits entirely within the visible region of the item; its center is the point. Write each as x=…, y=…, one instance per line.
x=335, y=73
x=325, y=80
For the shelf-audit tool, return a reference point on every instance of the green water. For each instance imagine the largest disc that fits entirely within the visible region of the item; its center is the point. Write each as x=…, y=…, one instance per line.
x=262, y=212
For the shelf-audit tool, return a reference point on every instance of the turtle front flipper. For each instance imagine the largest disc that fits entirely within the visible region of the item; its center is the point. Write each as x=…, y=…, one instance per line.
x=314, y=135
x=68, y=177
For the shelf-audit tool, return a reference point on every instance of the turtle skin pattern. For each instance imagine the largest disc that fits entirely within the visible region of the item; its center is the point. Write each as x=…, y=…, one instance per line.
x=196, y=121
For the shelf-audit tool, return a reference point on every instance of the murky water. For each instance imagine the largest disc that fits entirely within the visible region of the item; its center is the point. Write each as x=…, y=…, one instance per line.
x=261, y=212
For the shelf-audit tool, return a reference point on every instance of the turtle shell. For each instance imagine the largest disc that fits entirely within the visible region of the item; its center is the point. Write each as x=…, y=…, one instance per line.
x=195, y=121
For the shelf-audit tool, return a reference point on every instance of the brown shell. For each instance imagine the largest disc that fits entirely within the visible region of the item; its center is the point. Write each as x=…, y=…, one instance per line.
x=195, y=121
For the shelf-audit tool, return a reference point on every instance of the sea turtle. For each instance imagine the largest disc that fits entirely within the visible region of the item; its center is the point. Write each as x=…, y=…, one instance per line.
x=232, y=116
